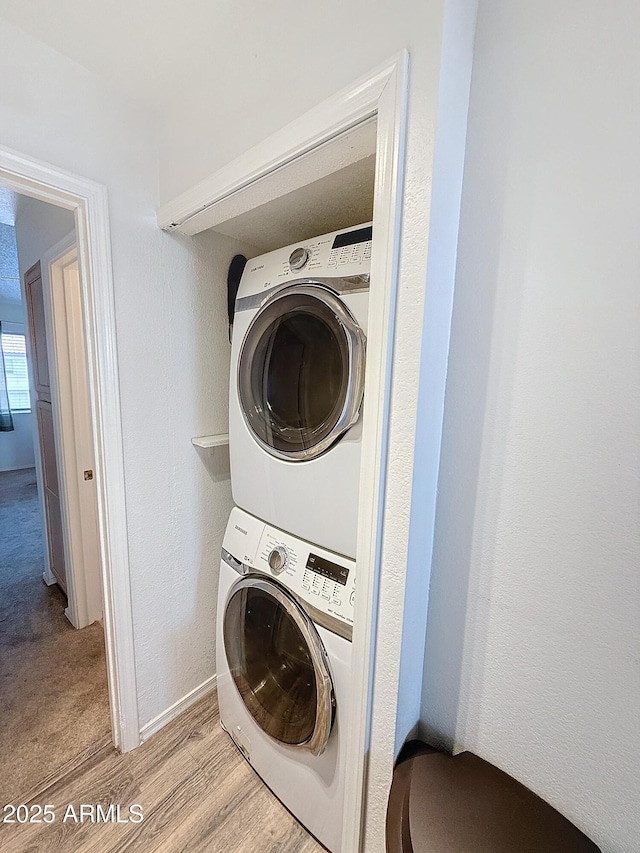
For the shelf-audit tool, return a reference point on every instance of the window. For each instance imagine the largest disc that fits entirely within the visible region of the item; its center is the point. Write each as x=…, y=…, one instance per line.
x=15, y=364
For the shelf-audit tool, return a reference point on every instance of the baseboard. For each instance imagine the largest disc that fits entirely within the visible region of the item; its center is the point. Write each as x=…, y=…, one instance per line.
x=17, y=468
x=176, y=709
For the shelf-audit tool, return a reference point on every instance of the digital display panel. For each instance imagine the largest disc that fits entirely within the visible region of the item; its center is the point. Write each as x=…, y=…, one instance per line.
x=361, y=235
x=327, y=569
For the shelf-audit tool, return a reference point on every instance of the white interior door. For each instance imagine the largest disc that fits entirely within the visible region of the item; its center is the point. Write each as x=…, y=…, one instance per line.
x=72, y=416
x=34, y=296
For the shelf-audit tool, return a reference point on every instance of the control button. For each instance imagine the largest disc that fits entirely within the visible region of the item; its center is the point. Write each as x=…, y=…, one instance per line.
x=315, y=592
x=352, y=597
x=298, y=258
x=324, y=595
x=306, y=586
x=336, y=601
x=277, y=559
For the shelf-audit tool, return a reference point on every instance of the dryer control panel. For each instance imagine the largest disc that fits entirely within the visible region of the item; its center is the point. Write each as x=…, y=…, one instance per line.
x=321, y=580
x=340, y=254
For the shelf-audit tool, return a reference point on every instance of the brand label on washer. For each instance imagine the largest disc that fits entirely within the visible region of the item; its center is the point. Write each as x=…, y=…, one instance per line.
x=243, y=536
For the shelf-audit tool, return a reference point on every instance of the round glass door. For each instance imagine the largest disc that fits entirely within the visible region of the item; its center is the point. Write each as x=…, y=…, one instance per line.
x=301, y=372
x=278, y=664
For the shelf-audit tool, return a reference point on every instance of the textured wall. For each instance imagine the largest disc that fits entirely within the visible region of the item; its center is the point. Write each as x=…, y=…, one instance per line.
x=171, y=387
x=9, y=279
x=176, y=528
x=534, y=615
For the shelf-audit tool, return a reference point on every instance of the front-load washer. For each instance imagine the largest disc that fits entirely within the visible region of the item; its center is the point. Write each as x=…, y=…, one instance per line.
x=285, y=617
x=296, y=386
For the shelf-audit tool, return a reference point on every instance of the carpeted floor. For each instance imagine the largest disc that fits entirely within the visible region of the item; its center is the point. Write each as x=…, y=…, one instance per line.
x=53, y=683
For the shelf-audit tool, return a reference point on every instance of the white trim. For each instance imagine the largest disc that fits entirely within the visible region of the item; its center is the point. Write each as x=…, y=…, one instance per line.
x=49, y=578
x=333, y=117
x=332, y=155
x=387, y=223
x=89, y=202
x=383, y=94
x=177, y=708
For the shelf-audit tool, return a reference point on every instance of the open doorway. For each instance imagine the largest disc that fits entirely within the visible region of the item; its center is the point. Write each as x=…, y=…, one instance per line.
x=54, y=696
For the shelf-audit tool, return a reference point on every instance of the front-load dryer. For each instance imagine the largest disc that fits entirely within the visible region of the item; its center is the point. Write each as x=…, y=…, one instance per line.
x=285, y=617
x=296, y=387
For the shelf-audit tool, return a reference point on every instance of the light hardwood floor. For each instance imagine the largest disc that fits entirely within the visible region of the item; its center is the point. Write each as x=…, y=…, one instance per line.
x=197, y=794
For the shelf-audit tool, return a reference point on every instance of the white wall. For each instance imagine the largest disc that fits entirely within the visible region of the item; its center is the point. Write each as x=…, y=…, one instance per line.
x=39, y=226
x=12, y=312
x=534, y=613
x=53, y=109
x=16, y=447
x=181, y=368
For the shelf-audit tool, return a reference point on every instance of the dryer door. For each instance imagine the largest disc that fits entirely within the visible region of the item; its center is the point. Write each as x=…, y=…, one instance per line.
x=301, y=372
x=278, y=663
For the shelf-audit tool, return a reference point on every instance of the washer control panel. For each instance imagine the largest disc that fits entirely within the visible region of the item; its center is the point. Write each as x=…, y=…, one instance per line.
x=277, y=559
x=324, y=580
x=354, y=247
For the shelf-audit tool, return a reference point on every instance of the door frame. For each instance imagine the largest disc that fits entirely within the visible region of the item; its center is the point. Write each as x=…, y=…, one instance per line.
x=383, y=95
x=88, y=200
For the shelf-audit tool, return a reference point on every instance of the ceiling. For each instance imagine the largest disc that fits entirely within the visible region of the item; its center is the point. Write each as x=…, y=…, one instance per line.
x=163, y=47
x=87, y=30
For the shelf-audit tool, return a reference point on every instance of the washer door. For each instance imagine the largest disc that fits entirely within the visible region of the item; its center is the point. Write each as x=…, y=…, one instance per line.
x=301, y=372
x=278, y=663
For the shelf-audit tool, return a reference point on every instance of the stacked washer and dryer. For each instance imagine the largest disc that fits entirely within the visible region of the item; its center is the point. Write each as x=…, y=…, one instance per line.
x=288, y=571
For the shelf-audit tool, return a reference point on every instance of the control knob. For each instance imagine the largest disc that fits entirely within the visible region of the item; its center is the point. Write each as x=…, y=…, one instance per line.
x=298, y=258
x=277, y=559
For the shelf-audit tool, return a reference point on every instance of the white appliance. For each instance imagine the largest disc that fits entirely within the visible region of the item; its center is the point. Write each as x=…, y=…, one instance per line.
x=285, y=617
x=296, y=387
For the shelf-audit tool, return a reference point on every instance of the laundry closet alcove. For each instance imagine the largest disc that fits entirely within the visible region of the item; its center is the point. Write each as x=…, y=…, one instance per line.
x=339, y=165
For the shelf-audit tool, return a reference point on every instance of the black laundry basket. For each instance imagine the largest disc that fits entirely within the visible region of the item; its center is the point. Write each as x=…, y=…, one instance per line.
x=462, y=804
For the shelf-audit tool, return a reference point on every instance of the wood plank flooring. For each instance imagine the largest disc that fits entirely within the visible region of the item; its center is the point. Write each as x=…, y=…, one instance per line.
x=196, y=791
